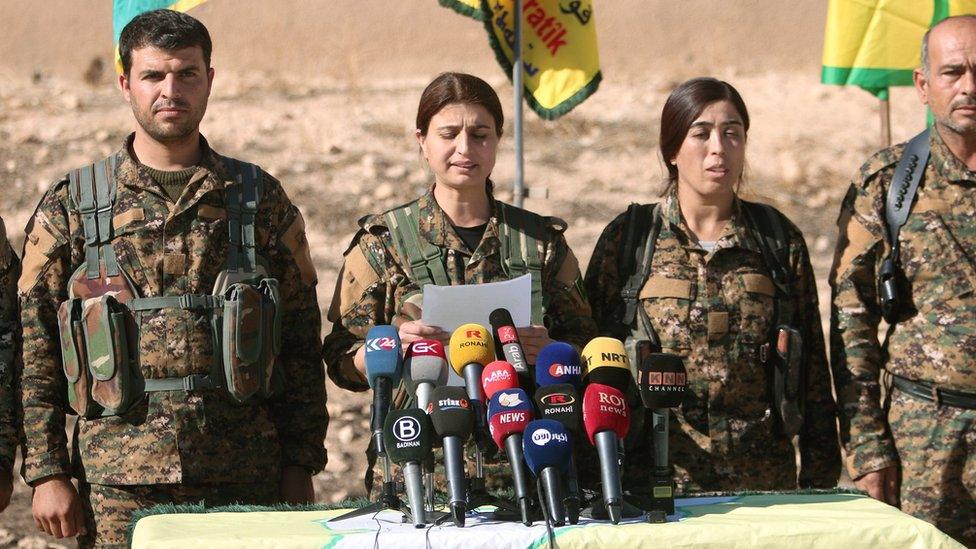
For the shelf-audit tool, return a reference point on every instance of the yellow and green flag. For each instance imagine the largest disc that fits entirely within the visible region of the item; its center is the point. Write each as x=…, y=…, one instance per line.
x=876, y=44
x=559, y=49
x=124, y=11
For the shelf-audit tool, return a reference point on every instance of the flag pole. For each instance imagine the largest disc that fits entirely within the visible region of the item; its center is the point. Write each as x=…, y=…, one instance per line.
x=518, y=193
x=884, y=109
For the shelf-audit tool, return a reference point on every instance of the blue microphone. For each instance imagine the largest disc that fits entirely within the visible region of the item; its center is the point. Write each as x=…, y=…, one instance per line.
x=558, y=362
x=548, y=449
x=384, y=368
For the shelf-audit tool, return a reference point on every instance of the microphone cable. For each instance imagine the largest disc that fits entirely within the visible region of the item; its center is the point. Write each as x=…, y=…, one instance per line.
x=547, y=518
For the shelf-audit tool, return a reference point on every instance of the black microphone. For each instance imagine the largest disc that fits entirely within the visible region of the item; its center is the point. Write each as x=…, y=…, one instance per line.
x=407, y=435
x=560, y=402
x=509, y=348
x=450, y=412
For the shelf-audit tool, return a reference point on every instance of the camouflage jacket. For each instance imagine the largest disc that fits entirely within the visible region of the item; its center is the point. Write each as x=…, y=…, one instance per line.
x=172, y=249
x=9, y=352
x=714, y=310
x=935, y=338
x=373, y=286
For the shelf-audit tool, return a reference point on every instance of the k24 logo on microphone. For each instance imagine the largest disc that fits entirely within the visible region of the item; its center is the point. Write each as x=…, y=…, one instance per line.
x=380, y=344
x=544, y=436
x=406, y=429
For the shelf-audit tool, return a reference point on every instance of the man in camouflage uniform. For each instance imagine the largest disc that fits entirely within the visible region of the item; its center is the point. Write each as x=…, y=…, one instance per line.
x=715, y=311
x=9, y=364
x=170, y=234
x=375, y=287
x=918, y=450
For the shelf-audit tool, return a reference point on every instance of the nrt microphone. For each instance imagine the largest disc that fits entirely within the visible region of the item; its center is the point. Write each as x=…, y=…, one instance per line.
x=384, y=367
x=508, y=346
x=662, y=381
x=560, y=402
x=548, y=450
x=407, y=436
x=558, y=362
x=607, y=420
x=425, y=367
x=605, y=362
x=450, y=413
x=471, y=349
x=509, y=411
x=496, y=376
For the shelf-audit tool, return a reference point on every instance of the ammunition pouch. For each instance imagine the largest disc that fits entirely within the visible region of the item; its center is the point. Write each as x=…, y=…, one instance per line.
x=783, y=357
x=888, y=290
x=250, y=337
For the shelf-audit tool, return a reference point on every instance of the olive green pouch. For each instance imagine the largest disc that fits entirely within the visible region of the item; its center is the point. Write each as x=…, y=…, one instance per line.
x=74, y=359
x=114, y=383
x=271, y=337
x=242, y=338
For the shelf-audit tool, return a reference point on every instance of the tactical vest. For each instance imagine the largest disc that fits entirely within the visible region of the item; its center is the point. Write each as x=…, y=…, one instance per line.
x=781, y=354
x=100, y=322
x=520, y=233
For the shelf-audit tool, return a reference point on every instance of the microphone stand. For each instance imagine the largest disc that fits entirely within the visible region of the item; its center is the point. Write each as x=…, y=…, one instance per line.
x=662, y=488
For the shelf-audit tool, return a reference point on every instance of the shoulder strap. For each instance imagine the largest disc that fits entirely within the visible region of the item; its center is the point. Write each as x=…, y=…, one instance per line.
x=92, y=190
x=426, y=260
x=773, y=241
x=518, y=236
x=242, y=200
x=904, y=187
x=643, y=226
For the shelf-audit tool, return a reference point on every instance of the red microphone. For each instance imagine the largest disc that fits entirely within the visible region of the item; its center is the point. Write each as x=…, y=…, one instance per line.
x=498, y=375
x=607, y=420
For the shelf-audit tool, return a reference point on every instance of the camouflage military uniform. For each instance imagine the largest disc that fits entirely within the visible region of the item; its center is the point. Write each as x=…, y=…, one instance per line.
x=9, y=353
x=714, y=310
x=172, y=437
x=934, y=340
x=375, y=288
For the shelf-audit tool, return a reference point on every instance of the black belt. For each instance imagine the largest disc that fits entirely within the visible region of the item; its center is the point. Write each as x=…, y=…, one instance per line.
x=924, y=390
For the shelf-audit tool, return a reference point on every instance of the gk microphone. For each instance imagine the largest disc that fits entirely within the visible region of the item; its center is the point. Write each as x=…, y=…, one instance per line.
x=450, y=413
x=558, y=362
x=384, y=367
x=425, y=367
x=508, y=346
x=407, y=436
x=509, y=411
x=606, y=419
x=496, y=376
x=548, y=450
x=470, y=351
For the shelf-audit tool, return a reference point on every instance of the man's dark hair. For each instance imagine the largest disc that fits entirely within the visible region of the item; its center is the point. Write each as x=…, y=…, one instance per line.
x=163, y=29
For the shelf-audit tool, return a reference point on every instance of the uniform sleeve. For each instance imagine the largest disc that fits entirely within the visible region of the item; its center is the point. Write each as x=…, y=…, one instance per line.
x=603, y=282
x=854, y=348
x=10, y=341
x=42, y=287
x=819, y=449
x=300, y=414
x=568, y=311
x=358, y=304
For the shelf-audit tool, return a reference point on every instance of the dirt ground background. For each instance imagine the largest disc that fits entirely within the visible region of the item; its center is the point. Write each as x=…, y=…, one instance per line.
x=322, y=94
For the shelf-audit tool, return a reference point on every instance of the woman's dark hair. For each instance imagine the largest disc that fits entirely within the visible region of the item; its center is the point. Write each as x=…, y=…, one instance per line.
x=683, y=106
x=163, y=29
x=458, y=87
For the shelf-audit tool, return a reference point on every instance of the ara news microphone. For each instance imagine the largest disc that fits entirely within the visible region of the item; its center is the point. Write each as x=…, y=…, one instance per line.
x=496, y=376
x=548, y=449
x=424, y=367
x=509, y=411
x=607, y=419
x=407, y=435
x=450, y=413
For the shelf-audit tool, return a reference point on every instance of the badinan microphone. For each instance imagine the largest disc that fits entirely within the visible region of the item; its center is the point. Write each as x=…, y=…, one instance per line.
x=561, y=403
x=496, y=376
x=508, y=346
x=407, y=436
x=547, y=448
x=424, y=367
x=606, y=419
x=558, y=362
x=384, y=367
x=605, y=362
x=509, y=411
x=662, y=382
x=450, y=413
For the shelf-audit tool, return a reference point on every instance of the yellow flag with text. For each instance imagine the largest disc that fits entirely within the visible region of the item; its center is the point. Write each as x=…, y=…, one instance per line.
x=560, y=59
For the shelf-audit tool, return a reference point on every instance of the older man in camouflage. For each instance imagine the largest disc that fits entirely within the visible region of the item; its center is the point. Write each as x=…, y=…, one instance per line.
x=183, y=224
x=915, y=443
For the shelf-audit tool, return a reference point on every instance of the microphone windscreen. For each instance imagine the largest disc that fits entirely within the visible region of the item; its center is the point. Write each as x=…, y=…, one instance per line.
x=509, y=411
x=546, y=443
x=558, y=362
x=605, y=361
x=470, y=344
x=383, y=357
x=561, y=403
x=496, y=376
x=450, y=412
x=407, y=435
x=425, y=363
x=501, y=318
x=662, y=380
x=605, y=409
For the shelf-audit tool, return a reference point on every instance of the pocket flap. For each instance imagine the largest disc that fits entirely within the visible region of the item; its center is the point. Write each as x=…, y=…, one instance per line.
x=661, y=286
x=756, y=283
x=248, y=319
x=100, y=337
x=69, y=313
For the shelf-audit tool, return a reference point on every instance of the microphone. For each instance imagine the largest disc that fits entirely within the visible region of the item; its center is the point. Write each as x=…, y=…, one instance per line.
x=509, y=411
x=471, y=349
x=508, y=346
x=425, y=367
x=558, y=362
x=548, y=451
x=561, y=403
x=605, y=362
x=407, y=435
x=384, y=367
x=606, y=419
x=496, y=376
x=450, y=413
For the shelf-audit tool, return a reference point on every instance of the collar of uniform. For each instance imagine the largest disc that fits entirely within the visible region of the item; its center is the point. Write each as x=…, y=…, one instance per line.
x=945, y=163
x=437, y=229
x=211, y=174
x=735, y=234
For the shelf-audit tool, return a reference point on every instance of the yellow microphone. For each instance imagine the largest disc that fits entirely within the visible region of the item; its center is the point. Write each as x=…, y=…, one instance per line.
x=605, y=362
x=471, y=348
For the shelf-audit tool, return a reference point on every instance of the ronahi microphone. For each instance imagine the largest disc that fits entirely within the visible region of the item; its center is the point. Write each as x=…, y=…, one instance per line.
x=471, y=349
x=450, y=413
x=606, y=419
x=662, y=382
x=496, y=376
x=508, y=346
x=407, y=436
x=425, y=367
x=509, y=411
x=547, y=448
